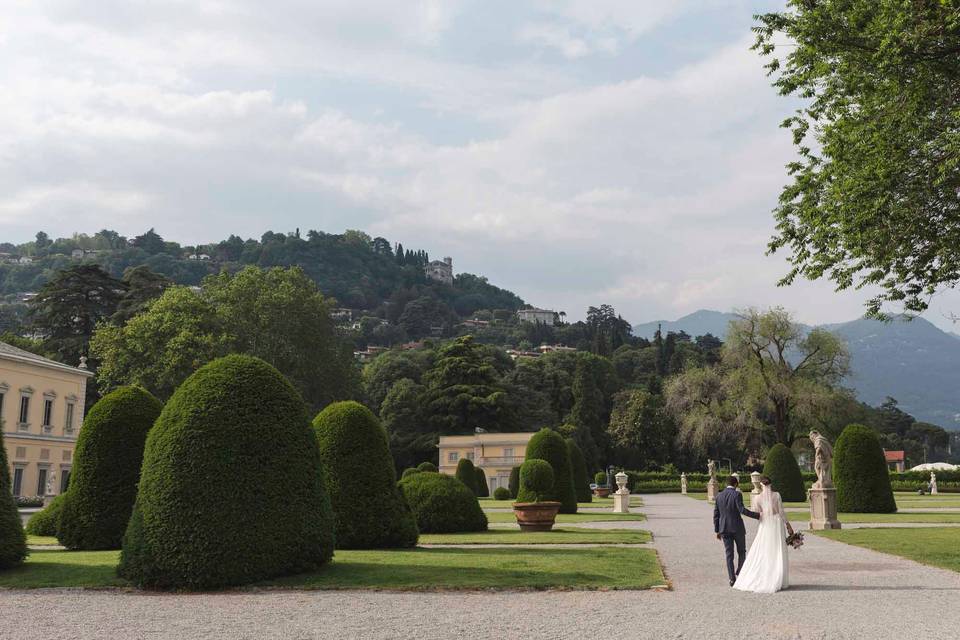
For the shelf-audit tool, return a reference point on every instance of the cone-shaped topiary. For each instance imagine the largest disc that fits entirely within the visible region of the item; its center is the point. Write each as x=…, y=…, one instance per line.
x=46, y=522
x=13, y=541
x=231, y=490
x=467, y=474
x=106, y=469
x=513, y=484
x=581, y=479
x=536, y=479
x=784, y=473
x=483, y=489
x=442, y=504
x=548, y=445
x=368, y=511
x=427, y=466
x=860, y=472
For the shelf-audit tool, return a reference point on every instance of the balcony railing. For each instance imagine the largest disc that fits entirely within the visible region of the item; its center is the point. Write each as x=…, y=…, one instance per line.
x=500, y=460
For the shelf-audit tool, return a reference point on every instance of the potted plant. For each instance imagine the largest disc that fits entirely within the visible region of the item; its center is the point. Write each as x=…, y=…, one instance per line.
x=536, y=481
x=602, y=490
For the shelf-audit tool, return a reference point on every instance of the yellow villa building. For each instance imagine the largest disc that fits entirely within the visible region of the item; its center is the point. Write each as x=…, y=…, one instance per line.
x=495, y=453
x=41, y=410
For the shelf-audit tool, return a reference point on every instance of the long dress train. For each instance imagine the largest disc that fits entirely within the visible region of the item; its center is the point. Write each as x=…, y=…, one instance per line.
x=766, y=568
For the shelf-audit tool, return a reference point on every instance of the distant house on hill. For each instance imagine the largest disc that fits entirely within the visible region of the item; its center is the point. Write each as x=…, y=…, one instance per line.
x=440, y=271
x=543, y=316
x=548, y=348
x=896, y=460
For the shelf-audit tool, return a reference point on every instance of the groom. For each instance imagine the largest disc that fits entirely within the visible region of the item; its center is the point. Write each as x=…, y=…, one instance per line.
x=728, y=525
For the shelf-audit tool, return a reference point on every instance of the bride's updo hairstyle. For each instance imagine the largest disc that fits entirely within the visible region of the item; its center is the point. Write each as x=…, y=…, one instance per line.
x=765, y=480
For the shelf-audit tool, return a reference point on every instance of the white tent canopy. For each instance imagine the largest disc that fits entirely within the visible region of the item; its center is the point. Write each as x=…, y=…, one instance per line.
x=935, y=466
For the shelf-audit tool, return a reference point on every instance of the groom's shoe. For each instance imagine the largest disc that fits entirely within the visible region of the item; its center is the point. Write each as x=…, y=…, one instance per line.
x=732, y=582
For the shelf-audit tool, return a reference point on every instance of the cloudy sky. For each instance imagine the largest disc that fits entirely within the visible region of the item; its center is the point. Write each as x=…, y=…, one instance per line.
x=577, y=152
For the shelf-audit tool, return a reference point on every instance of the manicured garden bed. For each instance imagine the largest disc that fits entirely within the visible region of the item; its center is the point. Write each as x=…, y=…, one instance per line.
x=503, y=516
x=415, y=569
x=555, y=536
x=938, y=547
x=943, y=517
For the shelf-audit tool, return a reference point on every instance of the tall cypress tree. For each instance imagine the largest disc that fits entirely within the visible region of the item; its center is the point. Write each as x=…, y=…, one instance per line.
x=13, y=540
x=586, y=413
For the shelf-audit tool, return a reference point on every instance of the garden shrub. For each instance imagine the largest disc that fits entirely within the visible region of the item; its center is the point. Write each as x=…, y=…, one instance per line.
x=513, y=484
x=581, y=479
x=501, y=493
x=483, y=489
x=860, y=472
x=231, y=490
x=46, y=522
x=600, y=478
x=442, y=504
x=106, y=469
x=368, y=511
x=548, y=445
x=784, y=473
x=13, y=540
x=427, y=466
x=536, y=479
x=409, y=472
x=467, y=474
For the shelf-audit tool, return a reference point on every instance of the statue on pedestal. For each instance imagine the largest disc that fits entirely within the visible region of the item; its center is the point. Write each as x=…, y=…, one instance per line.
x=712, y=483
x=933, y=483
x=621, y=499
x=683, y=483
x=823, y=461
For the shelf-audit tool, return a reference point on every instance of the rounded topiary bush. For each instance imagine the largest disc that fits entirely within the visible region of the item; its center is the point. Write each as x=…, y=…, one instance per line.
x=860, y=472
x=784, y=473
x=409, y=472
x=483, y=489
x=513, y=484
x=231, y=490
x=358, y=472
x=13, y=540
x=501, y=493
x=548, y=445
x=467, y=474
x=442, y=504
x=581, y=479
x=106, y=469
x=536, y=479
x=46, y=522
x=427, y=466
x=600, y=478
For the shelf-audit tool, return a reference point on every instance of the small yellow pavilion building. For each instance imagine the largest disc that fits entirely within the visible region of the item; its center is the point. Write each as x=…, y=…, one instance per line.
x=41, y=410
x=495, y=453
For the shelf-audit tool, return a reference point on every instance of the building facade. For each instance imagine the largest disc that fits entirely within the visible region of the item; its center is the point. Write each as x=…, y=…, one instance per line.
x=495, y=453
x=41, y=411
x=440, y=270
x=543, y=316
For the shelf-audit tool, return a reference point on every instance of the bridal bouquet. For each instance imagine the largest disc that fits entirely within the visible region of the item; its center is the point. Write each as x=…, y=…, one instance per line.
x=795, y=540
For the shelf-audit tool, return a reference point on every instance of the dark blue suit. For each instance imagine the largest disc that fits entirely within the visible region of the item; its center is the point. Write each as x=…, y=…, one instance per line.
x=729, y=525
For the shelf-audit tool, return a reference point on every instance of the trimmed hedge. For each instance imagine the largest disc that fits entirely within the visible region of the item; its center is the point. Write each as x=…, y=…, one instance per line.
x=483, y=489
x=581, y=479
x=427, y=466
x=231, y=491
x=548, y=445
x=46, y=522
x=368, y=511
x=513, y=484
x=13, y=540
x=600, y=478
x=106, y=469
x=501, y=493
x=860, y=472
x=784, y=473
x=442, y=504
x=467, y=474
x=536, y=479
x=409, y=472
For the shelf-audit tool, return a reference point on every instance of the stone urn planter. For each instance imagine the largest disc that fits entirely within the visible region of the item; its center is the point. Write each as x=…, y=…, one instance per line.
x=536, y=516
x=601, y=492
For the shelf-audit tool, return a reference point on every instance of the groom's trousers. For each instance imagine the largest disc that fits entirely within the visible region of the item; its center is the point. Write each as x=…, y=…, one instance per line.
x=740, y=540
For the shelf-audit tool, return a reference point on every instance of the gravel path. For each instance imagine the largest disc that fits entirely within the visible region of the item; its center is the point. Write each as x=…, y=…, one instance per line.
x=839, y=591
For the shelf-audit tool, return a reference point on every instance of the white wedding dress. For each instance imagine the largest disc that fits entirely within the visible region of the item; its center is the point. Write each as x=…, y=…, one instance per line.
x=766, y=567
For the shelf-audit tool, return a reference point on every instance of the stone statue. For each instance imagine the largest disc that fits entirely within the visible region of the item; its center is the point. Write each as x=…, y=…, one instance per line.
x=51, y=480
x=712, y=483
x=822, y=462
x=933, y=484
x=712, y=469
x=683, y=483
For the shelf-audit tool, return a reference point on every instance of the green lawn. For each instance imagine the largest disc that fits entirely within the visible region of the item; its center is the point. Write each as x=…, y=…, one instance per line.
x=490, y=503
x=556, y=536
x=42, y=540
x=904, y=501
x=939, y=547
x=417, y=569
x=500, y=516
x=942, y=517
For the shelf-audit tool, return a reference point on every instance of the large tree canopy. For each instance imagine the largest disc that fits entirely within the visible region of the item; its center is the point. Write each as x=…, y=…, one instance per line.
x=875, y=197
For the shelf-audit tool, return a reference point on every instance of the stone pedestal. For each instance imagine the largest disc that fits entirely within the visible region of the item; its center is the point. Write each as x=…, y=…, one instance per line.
x=755, y=492
x=621, y=502
x=47, y=499
x=823, y=509
x=712, y=490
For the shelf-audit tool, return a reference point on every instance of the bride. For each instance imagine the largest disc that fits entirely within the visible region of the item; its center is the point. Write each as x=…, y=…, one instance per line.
x=766, y=568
